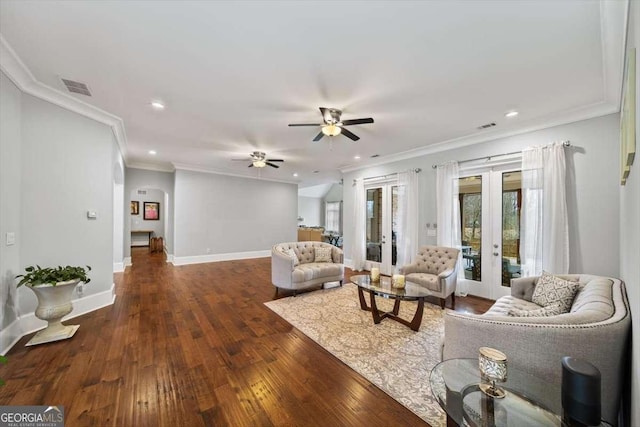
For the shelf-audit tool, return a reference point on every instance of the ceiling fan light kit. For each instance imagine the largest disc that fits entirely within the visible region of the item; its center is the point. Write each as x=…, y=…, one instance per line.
x=333, y=125
x=331, y=130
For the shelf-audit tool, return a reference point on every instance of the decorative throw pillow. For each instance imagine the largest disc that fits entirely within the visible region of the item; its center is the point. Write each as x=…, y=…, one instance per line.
x=293, y=255
x=551, y=310
x=323, y=254
x=551, y=289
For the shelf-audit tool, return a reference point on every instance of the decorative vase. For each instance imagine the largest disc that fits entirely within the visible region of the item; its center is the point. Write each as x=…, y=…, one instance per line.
x=54, y=302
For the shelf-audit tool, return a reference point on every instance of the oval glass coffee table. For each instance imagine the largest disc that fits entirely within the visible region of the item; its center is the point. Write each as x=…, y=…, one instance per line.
x=383, y=288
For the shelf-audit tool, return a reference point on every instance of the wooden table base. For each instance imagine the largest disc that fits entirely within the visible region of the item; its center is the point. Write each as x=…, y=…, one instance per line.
x=378, y=315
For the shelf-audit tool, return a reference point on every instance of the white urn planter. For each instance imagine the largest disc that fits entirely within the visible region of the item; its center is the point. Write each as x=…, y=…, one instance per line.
x=54, y=302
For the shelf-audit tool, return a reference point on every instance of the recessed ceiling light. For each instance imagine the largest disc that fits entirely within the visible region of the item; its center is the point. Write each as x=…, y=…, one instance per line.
x=157, y=105
x=153, y=152
x=511, y=114
x=295, y=174
x=357, y=157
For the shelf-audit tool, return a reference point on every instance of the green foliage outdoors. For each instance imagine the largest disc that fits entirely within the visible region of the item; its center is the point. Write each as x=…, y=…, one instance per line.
x=37, y=275
x=3, y=360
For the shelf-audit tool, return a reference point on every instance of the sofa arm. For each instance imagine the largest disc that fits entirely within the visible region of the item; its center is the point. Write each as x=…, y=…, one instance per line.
x=409, y=268
x=523, y=287
x=281, y=269
x=337, y=255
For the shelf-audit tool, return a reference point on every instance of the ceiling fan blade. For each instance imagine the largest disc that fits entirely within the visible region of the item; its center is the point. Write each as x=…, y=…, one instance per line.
x=357, y=121
x=251, y=165
x=242, y=160
x=350, y=134
x=318, y=137
x=305, y=124
x=275, y=160
x=272, y=165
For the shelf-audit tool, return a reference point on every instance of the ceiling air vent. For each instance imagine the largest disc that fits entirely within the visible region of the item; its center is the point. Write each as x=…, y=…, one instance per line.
x=375, y=155
x=142, y=191
x=487, y=126
x=76, y=87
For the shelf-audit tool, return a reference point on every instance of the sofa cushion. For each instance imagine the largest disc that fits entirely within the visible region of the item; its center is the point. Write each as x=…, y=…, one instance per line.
x=429, y=281
x=506, y=303
x=322, y=254
x=552, y=309
x=551, y=289
x=594, y=298
x=315, y=270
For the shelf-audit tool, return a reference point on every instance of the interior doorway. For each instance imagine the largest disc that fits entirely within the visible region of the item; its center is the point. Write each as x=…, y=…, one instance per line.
x=381, y=226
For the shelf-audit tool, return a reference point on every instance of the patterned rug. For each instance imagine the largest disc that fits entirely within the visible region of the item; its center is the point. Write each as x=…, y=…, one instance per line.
x=390, y=355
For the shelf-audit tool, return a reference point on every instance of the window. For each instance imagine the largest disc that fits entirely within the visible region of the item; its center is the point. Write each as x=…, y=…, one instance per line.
x=332, y=217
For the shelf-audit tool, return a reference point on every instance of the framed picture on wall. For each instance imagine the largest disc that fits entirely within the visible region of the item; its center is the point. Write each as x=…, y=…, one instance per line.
x=135, y=207
x=151, y=210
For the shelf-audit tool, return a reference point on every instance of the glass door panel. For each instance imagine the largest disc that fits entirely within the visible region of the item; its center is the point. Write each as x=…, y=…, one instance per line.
x=470, y=193
x=374, y=224
x=511, y=208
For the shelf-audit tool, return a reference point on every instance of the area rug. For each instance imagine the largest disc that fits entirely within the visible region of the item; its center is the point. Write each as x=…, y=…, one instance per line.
x=390, y=355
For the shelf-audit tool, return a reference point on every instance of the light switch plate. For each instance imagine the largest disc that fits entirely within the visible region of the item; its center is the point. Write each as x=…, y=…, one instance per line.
x=11, y=238
x=92, y=215
x=431, y=233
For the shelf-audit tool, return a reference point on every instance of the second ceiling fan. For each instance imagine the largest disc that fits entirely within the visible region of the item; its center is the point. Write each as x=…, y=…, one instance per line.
x=333, y=125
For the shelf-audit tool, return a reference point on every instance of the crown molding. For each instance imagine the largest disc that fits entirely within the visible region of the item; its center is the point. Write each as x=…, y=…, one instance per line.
x=192, y=168
x=151, y=167
x=21, y=76
x=570, y=116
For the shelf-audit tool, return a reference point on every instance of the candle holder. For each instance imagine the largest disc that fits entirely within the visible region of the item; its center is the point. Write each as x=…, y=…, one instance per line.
x=375, y=274
x=397, y=281
x=493, y=368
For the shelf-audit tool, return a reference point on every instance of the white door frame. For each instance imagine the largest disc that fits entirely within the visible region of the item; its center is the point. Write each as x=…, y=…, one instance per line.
x=385, y=265
x=490, y=285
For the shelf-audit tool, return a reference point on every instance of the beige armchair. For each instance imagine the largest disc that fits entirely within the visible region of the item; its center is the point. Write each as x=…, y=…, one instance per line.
x=435, y=268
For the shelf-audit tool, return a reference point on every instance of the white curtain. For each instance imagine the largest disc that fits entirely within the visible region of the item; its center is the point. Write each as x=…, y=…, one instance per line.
x=448, y=213
x=358, y=252
x=407, y=237
x=544, y=225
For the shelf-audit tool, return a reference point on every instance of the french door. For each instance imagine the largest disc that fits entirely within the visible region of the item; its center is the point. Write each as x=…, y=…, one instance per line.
x=382, y=219
x=490, y=206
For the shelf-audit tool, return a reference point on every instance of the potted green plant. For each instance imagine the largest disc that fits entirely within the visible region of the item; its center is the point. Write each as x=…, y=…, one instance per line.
x=53, y=288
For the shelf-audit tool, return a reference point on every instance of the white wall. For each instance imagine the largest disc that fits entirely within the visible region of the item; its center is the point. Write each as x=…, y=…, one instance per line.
x=630, y=227
x=228, y=215
x=66, y=170
x=312, y=210
x=137, y=222
x=146, y=179
x=592, y=188
x=10, y=137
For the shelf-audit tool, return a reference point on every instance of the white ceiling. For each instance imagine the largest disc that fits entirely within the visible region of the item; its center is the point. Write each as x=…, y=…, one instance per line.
x=234, y=74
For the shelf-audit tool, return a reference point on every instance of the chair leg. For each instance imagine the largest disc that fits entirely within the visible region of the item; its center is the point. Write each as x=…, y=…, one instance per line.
x=340, y=282
x=442, y=301
x=295, y=292
x=453, y=301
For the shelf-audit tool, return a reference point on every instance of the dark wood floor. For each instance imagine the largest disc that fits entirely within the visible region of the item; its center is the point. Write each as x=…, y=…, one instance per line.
x=195, y=346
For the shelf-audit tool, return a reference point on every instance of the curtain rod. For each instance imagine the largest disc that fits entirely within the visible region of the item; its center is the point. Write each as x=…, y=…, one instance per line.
x=416, y=170
x=564, y=143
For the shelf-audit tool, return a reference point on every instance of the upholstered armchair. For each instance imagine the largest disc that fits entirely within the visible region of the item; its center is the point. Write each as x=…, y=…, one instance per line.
x=435, y=268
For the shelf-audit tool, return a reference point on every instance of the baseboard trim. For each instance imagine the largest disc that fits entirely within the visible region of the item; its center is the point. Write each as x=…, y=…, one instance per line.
x=199, y=259
x=29, y=323
x=127, y=261
x=170, y=258
x=118, y=267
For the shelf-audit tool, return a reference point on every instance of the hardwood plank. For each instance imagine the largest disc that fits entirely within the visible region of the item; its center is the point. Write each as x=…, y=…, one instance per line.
x=195, y=345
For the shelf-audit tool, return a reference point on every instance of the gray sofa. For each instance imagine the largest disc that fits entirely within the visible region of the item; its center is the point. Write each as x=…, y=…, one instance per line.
x=286, y=275
x=435, y=268
x=596, y=330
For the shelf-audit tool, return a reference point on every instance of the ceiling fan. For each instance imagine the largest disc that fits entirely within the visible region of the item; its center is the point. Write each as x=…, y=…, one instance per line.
x=333, y=125
x=259, y=159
